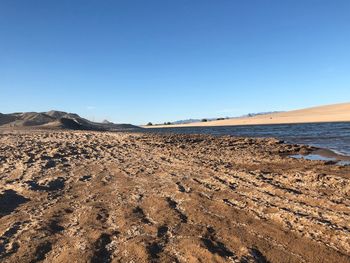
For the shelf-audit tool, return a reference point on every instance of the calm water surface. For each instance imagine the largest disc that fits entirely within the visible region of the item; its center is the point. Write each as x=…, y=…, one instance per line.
x=332, y=136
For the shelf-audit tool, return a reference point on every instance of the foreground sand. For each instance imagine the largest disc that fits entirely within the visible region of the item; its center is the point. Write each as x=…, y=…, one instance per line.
x=104, y=197
x=328, y=113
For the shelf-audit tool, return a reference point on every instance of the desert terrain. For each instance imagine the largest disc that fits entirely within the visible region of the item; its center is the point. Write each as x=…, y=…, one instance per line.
x=85, y=196
x=58, y=120
x=328, y=113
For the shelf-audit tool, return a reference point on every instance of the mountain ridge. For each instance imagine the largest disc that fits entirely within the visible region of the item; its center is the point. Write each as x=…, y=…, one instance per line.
x=55, y=119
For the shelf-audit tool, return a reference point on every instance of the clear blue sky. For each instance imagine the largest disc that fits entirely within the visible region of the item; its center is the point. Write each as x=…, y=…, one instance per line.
x=161, y=60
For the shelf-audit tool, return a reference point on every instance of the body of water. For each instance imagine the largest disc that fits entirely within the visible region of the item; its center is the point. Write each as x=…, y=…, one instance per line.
x=332, y=136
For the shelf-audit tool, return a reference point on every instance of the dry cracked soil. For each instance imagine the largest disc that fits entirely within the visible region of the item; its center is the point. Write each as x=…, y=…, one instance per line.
x=131, y=197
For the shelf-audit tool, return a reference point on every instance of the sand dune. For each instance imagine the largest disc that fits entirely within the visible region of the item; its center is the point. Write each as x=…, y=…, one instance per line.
x=328, y=113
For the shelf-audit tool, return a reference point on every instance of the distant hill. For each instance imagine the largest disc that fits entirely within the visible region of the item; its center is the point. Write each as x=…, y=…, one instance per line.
x=187, y=121
x=256, y=114
x=58, y=120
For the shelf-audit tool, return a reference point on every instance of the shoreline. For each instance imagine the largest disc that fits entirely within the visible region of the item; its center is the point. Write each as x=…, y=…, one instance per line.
x=327, y=113
x=323, y=152
x=188, y=125
x=314, y=134
x=326, y=155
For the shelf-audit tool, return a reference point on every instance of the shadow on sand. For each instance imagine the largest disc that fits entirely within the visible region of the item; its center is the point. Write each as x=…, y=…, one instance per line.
x=9, y=201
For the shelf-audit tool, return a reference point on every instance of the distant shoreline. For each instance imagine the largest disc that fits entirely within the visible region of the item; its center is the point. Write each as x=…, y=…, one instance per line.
x=321, y=114
x=247, y=124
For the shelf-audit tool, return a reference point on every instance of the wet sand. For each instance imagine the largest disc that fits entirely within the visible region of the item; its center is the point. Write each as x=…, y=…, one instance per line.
x=328, y=154
x=121, y=197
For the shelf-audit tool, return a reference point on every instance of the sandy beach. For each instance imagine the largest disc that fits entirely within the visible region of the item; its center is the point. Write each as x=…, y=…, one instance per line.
x=328, y=113
x=174, y=132
x=124, y=197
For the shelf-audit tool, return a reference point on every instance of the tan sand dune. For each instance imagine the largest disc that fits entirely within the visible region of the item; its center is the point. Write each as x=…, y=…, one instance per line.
x=327, y=113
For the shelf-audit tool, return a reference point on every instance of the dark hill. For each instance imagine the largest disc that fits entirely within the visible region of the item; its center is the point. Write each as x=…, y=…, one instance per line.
x=58, y=120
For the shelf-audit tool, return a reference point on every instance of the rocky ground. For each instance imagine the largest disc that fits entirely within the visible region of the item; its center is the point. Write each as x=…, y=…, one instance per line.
x=118, y=197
